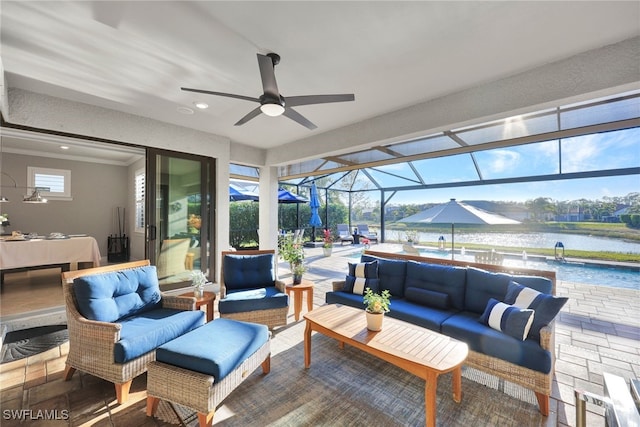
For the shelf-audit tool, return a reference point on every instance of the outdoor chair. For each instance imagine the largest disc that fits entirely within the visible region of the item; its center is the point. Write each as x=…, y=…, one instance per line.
x=125, y=318
x=363, y=231
x=249, y=290
x=344, y=234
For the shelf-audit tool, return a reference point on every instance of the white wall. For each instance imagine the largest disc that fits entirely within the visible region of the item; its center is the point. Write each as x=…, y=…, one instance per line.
x=96, y=189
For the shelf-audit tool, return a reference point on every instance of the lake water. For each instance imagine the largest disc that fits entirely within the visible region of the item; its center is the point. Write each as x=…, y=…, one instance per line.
x=529, y=240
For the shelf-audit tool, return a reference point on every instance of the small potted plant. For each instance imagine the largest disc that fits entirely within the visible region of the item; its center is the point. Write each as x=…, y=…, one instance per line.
x=198, y=280
x=376, y=306
x=327, y=242
x=298, y=271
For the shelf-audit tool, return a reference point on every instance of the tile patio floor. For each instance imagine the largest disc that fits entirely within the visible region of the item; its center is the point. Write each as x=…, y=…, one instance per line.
x=597, y=331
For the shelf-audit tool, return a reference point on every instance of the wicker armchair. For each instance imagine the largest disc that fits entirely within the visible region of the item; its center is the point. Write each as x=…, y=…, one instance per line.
x=91, y=343
x=270, y=309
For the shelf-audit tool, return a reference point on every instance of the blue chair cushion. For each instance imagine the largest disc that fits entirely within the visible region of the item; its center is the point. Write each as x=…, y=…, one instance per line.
x=248, y=271
x=146, y=331
x=464, y=326
x=511, y=320
x=391, y=273
x=241, y=301
x=215, y=349
x=546, y=306
x=109, y=297
x=444, y=279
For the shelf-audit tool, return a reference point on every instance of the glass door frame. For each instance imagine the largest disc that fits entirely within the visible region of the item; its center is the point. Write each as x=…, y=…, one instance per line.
x=207, y=207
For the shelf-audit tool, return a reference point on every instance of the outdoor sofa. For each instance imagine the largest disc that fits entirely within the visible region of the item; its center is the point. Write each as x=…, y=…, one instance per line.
x=453, y=298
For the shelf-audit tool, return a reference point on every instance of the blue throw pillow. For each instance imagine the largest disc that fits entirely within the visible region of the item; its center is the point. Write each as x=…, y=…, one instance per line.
x=361, y=276
x=513, y=321
x=357, y=285
x=366, y=270
x=427, y=297
x=546, y=306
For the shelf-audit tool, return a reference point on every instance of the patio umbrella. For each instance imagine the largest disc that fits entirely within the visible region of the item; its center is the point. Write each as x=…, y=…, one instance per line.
x=314, y=204
x=285, y=196
x=454, y=212
x=237, y=193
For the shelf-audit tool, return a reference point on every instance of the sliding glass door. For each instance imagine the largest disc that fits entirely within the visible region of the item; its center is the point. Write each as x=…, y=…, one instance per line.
x=180, y=228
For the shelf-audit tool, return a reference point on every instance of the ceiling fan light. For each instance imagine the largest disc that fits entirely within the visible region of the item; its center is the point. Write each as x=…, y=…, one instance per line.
x=272, y=110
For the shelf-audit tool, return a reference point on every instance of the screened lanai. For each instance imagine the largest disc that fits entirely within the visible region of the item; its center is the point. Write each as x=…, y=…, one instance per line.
x=599, y=138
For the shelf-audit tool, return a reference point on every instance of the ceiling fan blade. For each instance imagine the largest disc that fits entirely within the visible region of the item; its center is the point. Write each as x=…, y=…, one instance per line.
x=293, y=101
x=253, y=114
x=228, y=95
x=299, y=118
x=268, y=76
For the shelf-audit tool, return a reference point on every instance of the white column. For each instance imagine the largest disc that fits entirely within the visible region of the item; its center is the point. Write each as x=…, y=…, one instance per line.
x=268, y=222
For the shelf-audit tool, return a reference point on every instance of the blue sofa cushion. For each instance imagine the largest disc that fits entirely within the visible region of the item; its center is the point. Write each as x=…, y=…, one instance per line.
x=215, y=349
x=418, y=314
x=248, y=271
x=465, y=327
x=146, y=331
x=511, y=320
x=109, y=297
x=483, y=285
x=445, y=279
x=391, y=272
x=429, y=298
x=240, y=301
x=546, y=306
x=346, y=298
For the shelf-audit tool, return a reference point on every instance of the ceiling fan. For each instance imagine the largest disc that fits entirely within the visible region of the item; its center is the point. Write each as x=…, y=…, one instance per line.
x=272, y=103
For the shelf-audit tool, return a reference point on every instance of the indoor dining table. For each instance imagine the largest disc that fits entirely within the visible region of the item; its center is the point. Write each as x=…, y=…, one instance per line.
x=66, y=253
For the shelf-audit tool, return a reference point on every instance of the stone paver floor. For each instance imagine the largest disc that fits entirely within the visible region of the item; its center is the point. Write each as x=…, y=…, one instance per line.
x=597, y=331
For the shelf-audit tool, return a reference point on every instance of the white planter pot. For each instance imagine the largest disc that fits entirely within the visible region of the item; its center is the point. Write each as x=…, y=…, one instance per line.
x=374, y=321
x=326, y=251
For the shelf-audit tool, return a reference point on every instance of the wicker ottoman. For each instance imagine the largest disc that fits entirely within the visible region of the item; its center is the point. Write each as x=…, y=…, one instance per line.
x=199, y=369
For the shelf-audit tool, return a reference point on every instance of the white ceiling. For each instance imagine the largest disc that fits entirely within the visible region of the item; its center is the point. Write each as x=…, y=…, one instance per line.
x=133, y=56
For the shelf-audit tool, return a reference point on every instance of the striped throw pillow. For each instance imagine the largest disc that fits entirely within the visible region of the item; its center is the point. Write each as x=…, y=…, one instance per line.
x=361, y=276
x=508, y=319
x=546, y=306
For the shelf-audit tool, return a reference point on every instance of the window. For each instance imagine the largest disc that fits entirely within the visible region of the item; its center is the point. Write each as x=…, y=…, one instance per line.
x=139, y=195
x=58, y=181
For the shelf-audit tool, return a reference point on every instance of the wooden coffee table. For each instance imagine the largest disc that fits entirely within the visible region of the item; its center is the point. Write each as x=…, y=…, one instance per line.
x=424, y=353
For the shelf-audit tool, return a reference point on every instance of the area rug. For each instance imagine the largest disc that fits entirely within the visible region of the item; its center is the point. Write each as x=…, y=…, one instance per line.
x=346, y=387
x=28, y=342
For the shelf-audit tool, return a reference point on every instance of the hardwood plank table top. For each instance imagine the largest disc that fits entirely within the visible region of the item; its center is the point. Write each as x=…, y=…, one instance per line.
x=420, y=351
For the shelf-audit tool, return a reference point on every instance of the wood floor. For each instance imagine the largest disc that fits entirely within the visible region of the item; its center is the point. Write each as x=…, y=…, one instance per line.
x=30, y=291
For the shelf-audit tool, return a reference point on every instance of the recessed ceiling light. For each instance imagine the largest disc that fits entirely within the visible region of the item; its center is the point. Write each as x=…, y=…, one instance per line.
x=185, y=110
x=64, y=147
x=201, y=105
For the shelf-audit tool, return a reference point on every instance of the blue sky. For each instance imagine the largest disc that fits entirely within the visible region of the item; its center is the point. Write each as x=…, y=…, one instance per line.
x=591, y=189
x=610, y=150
